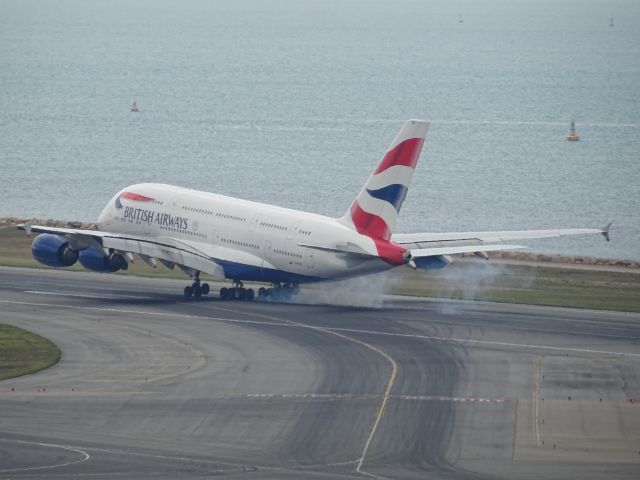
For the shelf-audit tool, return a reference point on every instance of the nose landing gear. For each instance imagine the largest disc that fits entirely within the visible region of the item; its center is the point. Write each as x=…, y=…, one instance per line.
x=196, y=289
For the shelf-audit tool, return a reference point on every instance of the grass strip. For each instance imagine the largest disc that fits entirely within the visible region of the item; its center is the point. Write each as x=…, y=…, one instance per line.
x=23, y=352
x=491, y=281
x=533, y=285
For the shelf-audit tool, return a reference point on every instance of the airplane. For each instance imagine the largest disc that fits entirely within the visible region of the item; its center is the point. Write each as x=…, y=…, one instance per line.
x=244, y=241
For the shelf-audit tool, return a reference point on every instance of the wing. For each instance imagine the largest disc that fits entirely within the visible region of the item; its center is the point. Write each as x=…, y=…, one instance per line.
x=430, y=252
x=171, y=251
x=460, y=239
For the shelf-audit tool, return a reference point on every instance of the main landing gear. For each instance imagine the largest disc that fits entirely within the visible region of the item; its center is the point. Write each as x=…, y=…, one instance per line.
x=237, y=292
x=196, y=289
x=280, y=292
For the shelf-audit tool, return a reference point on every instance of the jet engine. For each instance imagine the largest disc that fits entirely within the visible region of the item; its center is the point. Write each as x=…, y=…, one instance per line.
x=433, y=262
x=53, y=250
x=96, y=261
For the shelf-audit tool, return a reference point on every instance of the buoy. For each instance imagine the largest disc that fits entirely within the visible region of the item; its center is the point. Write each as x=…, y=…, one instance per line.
x=573, y=136
x=134, y=107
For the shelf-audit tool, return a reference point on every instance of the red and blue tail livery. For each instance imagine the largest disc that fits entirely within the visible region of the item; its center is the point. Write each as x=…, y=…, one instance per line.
x=375, y=210
x=243, y=241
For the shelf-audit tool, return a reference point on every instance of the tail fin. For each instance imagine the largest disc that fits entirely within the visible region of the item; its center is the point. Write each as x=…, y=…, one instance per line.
x=375, y=210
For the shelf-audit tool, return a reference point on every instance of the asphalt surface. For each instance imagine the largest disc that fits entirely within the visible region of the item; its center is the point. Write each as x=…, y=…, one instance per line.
x=153, y=385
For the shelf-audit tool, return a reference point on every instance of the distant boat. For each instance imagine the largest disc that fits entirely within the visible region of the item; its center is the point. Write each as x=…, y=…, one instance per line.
x=460, y=20
x=573, y=136
x=611, y=22
x=134, y=107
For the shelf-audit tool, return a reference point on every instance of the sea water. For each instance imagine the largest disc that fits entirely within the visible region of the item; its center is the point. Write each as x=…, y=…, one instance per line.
x=293, y=103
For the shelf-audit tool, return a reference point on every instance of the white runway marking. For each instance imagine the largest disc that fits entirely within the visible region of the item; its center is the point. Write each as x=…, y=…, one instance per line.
x=369, y=396
x=337, y=329
x=522, y=306
x=229, y=467
x=451, y=399
x=490, y=342
x=81, y=295
x=85, y=456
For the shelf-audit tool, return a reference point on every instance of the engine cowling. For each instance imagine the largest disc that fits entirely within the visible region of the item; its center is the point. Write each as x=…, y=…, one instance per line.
x=94, y=260
x=53, y=250
x=433, y=262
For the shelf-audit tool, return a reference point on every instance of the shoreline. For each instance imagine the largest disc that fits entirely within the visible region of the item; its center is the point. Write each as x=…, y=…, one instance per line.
x=500, y=257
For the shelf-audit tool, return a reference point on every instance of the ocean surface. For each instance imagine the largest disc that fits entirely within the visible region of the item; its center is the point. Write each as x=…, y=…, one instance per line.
x=293, y=103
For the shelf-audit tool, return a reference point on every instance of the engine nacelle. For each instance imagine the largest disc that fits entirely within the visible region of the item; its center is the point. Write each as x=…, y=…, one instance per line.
x=94, y=260
x=434, y=262
x=53, y=250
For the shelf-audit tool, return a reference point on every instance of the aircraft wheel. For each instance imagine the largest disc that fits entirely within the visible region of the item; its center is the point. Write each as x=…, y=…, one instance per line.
x=241, y=293
x=224, y=293
x=205, y=288
x=249, y=294
x=188, y=291
x=262, y=292
x=197, y=291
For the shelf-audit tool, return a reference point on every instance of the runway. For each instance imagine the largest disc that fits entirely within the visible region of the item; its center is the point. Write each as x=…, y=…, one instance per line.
x=153, y=385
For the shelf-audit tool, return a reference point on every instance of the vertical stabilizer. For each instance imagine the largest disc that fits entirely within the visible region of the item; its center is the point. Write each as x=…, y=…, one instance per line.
x=375, y=210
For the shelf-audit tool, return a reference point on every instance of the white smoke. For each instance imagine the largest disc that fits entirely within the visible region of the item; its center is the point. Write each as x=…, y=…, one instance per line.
x=470, y=280
x=466, y=280
x=365, y=292
x=475, y=280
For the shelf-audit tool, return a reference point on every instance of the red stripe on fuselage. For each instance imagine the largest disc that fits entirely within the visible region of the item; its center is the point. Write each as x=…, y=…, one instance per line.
x=375, y=228
x=136, y=196
x=405, y=153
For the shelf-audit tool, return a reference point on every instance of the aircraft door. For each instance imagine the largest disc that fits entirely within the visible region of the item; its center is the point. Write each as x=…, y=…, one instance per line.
x=255, y=222
x=294, y=231
x=146, y=227
x=309, y=260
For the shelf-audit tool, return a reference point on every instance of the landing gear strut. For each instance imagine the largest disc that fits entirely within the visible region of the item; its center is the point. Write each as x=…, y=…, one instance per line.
x=237, y=292
x=196, y=289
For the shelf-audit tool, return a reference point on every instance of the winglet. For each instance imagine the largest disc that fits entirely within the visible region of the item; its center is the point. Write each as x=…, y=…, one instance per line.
x=26, y=227
x=605, y=231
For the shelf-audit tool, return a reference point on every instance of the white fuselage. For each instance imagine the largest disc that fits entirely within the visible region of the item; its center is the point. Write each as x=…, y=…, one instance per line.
x=252, y=241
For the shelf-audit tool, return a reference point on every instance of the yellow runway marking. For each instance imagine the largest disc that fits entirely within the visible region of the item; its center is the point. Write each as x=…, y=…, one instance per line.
x=387, y=391
x=383, y=404
x=536, y=396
